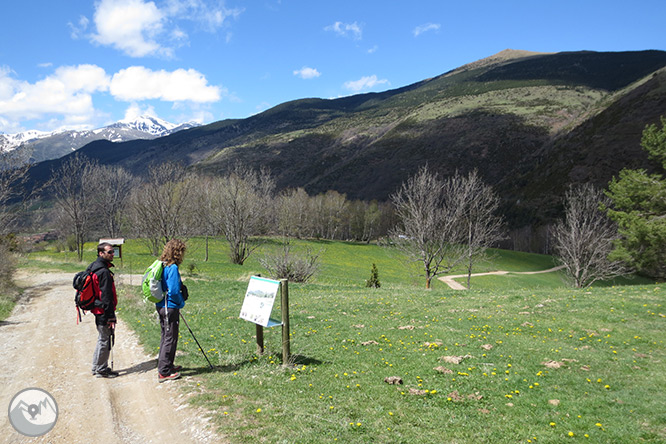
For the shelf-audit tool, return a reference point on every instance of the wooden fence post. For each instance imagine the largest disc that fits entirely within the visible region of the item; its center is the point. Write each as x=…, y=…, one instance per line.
x=260, y=339
x=284, y=290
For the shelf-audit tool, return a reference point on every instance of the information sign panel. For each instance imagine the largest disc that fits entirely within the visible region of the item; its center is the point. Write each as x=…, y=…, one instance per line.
x=259, y=300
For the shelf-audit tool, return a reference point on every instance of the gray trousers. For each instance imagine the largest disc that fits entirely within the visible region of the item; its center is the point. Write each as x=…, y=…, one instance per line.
x=169, y=340
x=102, y=350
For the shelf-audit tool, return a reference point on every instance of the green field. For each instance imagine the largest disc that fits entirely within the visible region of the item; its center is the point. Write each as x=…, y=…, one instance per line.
x=538, y=361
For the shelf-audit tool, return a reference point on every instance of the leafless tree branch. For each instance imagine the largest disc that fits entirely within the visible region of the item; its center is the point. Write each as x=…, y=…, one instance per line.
x=584, y=238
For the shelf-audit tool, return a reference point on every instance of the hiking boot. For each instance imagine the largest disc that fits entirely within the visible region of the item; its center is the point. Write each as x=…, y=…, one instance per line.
x=107, y=373
x=169, y=377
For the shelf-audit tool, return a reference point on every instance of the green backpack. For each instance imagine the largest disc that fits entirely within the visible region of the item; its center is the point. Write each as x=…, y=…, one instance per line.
x=152, y=283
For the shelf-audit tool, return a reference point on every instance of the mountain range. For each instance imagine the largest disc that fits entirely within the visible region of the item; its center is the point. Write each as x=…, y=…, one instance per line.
x=41, y=145
x=529, y=123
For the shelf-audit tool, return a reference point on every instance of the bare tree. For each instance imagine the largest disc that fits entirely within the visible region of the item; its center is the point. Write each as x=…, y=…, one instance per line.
x=72, y=185
x=292, y=213
x=111, y=189
x=429, y=212
x=207, y=220
x=13, y=200
x=584, y=238
x=364, y=220
x=13, y=174
x=161, y=208
x=288, y=263
x=481, y=225
x=242, y=202
x=329, y=213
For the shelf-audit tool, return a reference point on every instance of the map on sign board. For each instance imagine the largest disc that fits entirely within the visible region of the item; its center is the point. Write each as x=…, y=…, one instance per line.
x=259, y=300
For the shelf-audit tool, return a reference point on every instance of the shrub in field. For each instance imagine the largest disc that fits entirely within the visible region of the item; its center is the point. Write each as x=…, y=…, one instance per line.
x=191, y=267
x=287, y=264
x=58, y=246
x=7, y=288
x=70, y=243
x=7, y=267
x=373, y=282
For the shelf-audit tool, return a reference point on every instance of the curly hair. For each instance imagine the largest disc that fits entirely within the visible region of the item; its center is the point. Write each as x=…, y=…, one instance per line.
x=174, y=252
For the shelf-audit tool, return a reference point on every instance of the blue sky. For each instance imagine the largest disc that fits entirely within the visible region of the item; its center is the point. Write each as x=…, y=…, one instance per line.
x=84, y=64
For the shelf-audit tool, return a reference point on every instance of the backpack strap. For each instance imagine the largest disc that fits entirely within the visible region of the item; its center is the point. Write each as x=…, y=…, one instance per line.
x=78, y=317
x=166, y=310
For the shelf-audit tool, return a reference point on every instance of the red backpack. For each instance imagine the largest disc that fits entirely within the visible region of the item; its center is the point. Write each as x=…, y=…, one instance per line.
x=87, y=291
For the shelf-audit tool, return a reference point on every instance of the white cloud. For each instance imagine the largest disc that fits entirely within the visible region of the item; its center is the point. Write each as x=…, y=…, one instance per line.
x=364, y=83
x=9, y=127
x=65, y=98
x=263, y=106
x=76, y=31
x=307, y=73
x=140, y=83
x=178, y=35
x=87, y=78
x=425, y=28
x=140, y=28
x=198, y=116
x=68, y=92
x=130, y=26
x=135, y=111
x=77, y=122
x=210, y=18
x=352, y=30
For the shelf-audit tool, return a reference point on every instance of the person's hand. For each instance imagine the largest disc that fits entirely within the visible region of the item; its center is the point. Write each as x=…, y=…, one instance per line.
x=112, y=325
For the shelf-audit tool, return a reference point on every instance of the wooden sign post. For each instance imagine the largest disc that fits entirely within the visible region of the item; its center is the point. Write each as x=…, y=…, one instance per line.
x=258, y=306
x=286, y=341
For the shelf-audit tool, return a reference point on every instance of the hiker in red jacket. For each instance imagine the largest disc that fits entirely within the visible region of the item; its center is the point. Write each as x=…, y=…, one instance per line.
x=104, y=310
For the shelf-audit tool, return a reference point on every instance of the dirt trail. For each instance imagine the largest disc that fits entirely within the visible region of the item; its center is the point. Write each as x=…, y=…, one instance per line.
x=42, y=346
x=449, y=280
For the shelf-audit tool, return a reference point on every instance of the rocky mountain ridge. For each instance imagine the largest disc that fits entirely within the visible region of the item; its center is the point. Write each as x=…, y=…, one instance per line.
x=41, y=145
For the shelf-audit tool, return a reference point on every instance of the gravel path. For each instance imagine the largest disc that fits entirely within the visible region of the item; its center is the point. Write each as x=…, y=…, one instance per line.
x=42, y=346
x=450, y=280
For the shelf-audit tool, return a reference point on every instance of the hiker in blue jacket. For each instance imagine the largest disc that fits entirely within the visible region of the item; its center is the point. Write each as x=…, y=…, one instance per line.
x=172, y=256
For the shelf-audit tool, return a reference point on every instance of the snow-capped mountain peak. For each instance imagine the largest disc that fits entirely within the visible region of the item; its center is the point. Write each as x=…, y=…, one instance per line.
x=147, y=124
x=26, y=136
x=50, y=145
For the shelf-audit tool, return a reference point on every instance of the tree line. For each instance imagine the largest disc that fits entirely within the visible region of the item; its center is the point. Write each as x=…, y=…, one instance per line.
x=170, y=201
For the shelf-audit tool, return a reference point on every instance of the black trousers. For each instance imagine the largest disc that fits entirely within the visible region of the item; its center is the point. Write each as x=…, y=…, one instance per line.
x=169, y=323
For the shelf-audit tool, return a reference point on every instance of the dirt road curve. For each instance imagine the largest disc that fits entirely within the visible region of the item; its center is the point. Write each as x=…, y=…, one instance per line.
x=42, y=346
x=450, y=280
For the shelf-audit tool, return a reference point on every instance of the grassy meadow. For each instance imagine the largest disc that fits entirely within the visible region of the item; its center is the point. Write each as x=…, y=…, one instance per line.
x=517, y=359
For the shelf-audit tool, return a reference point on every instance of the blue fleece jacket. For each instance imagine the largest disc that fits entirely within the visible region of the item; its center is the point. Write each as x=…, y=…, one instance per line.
x=171, y=284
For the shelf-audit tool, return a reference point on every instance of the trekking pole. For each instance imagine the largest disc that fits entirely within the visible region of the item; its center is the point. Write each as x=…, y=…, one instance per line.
x=195, y=340
x=113, y=340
